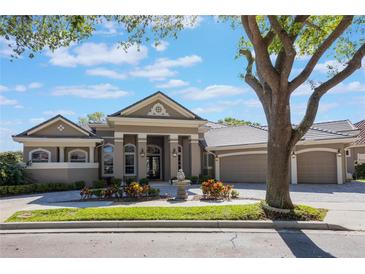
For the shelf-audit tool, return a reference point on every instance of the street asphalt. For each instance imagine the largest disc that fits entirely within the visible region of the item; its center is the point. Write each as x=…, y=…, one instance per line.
x=264, y=243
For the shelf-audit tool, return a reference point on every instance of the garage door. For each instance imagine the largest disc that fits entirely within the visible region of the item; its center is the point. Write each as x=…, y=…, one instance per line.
x=317, y=167
x=243, y=168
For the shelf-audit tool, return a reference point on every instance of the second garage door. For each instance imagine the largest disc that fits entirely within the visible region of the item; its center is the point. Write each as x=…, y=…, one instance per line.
x=243, y=168
x=317, y=167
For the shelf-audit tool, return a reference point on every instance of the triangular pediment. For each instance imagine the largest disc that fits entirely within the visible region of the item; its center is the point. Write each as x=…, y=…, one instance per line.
x=57, y=126
x=158, y=105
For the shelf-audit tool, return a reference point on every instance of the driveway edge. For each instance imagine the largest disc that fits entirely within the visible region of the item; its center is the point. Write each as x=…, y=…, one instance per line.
x=150, y=224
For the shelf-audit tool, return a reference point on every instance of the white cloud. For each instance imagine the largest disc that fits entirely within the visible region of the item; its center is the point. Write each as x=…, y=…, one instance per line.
x=173, y=83
x=161, y=69
x=20, y=88
x=63, y=112
x=37, y=120
x=89, y=54
x=213, y=91
x=7, y=102
x=3, y=88
x=300, y=108
x=6, y=142
x=161, y=46
x=101, y=91
x=218, y=107
x=341, y=88
x=35, y=85
x=109, y=28
x=106, y=73
x=328, y=66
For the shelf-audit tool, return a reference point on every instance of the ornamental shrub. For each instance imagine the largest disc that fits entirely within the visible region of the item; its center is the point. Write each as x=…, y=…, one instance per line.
x=136, y=190
x=79, y=184
x=214, y=189
x=99, y=183
x=153, y=192
x=360, y=171
x=144, y=181
x=11, y=168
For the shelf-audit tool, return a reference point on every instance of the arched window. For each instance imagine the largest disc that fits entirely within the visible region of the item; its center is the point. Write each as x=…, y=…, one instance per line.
x=130, y=160
x=77, y=156
x=179, y=157
x=40, y=155
x=108, y=160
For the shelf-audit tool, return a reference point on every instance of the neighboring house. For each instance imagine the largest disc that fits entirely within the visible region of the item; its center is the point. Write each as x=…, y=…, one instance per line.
x=355, y=154
x=157, y=136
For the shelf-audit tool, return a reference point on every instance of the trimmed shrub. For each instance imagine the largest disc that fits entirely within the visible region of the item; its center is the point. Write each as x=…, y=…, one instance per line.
x=115, y=182
x=234, y=194
x=214, y=189
x=360, y=171
x=144, y=181
x=130, y=180
x=99, y=183
x=79, y=184
x=11, y=169
x=154, y=192
x=194, y=179
x=97, y=192
x=136, y=190
x=35, y=188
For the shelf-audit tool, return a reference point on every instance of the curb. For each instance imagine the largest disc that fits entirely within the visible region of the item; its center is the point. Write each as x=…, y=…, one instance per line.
x=268, y=224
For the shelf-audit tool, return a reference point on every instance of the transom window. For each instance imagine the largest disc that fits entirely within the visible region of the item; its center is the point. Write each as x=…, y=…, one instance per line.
x=129, y=159
x=40, y=156
x=153, y=150
x=108, y=160
x=77, y=156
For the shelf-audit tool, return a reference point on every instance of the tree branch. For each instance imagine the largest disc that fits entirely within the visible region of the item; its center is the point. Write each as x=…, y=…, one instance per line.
x=263, y=62
x=313, y=102
x=283, y=36
x=303, y=76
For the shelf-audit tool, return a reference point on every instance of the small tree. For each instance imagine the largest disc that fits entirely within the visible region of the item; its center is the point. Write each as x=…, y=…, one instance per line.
x=11, y=170
x=236, y=122
x=92, y=118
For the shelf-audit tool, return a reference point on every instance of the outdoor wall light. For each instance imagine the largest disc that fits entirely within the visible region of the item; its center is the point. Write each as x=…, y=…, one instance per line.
x=339, y=153
x=174, y=153
x=142, y=153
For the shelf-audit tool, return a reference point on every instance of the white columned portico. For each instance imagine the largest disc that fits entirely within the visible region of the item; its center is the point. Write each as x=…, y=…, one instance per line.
x=62, y=154
x=339, y=168
x=141, y=155
x=173, y=142
x=118, y=165
x=217, y=168
x=294, y=170
x=91, y=154
x=195, y=152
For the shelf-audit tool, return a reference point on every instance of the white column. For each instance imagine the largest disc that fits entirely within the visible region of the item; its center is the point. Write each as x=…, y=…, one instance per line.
x=293, y=166
x=217, y=168
x=339, y=168
x=91, y=154
x=62, y=154
x=173, y=141
x=142, y=159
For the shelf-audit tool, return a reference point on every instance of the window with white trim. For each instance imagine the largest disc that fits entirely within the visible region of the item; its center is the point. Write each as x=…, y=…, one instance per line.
x=129, y=159
x=40, y=156
x=179, y=157
x=77, y=156
x=208, y=160
x=108, y=160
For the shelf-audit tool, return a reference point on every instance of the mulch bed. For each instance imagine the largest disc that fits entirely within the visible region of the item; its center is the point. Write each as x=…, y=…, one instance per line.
x=202, y=198
x=121, y=199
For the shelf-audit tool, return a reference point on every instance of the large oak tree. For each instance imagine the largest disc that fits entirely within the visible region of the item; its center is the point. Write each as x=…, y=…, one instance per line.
x=282, y=37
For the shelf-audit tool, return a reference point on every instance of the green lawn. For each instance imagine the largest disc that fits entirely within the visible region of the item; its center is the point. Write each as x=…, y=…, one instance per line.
x=361, y=180
x=228, y=212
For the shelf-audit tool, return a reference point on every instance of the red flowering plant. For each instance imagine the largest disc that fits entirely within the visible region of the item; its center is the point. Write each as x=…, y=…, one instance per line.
x=213, y=189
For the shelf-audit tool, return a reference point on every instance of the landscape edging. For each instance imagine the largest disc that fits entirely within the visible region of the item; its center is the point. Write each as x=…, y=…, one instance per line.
x=313, y=225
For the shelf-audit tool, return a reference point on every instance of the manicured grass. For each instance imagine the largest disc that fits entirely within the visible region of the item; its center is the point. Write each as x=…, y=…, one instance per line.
x=227, y=212
x=361, y=180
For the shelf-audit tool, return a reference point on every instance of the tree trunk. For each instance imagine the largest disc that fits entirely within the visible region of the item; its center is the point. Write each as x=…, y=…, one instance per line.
x=278, y=158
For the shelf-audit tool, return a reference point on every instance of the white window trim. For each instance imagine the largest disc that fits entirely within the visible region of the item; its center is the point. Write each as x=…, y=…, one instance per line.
x=102, y=160
x=134, y=159
x=39, y=149
x=77, y=150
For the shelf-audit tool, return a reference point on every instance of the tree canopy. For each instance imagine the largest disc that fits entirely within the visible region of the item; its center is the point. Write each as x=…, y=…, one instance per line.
x=236, y=122
x=92, y=118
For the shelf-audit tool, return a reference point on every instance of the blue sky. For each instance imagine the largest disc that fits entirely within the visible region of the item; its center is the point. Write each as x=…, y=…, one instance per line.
x=198, y=70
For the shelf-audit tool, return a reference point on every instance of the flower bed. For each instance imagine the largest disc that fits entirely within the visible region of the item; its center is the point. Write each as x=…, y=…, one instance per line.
x=213, y=189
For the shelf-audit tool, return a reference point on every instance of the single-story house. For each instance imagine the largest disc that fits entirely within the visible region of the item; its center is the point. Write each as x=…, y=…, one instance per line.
x=156, y=136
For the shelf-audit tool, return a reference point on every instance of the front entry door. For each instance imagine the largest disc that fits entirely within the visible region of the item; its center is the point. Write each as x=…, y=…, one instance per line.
x=153, y=167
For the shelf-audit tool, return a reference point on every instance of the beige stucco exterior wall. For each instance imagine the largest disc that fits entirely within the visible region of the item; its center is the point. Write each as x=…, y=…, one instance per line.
x=155, y=129
x=70, y=175
x=143, y=112
x=350, y=161
x=52, y=130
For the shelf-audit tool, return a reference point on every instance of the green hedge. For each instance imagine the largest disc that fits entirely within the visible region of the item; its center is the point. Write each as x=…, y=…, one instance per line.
x=360, y=171
x=38, y=188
